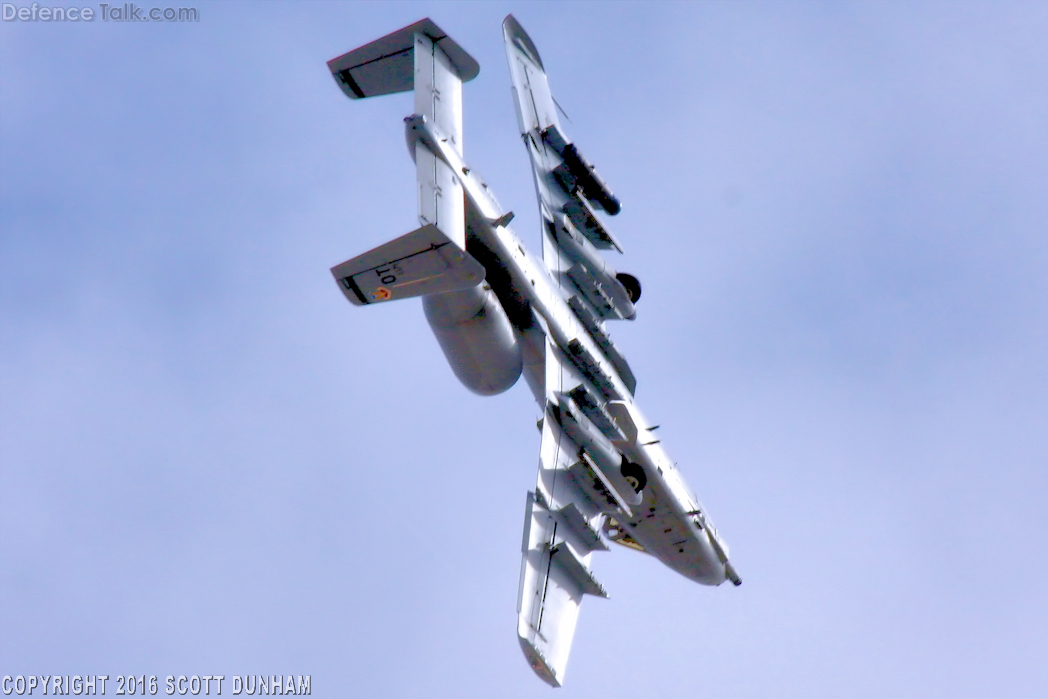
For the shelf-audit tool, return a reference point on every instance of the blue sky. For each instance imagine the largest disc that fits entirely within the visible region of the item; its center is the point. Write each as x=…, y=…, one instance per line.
x=210, y=463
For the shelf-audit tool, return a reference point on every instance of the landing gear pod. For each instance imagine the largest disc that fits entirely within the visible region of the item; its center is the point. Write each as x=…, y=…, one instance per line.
x=632, y=285
x=477, y=338
x=634, y=475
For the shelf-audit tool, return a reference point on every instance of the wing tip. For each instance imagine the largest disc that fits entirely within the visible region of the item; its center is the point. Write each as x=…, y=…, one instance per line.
x=515, y=34
x=538, y=662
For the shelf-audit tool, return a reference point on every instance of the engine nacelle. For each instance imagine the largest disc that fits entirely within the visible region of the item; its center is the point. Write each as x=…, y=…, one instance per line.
x=476, y=337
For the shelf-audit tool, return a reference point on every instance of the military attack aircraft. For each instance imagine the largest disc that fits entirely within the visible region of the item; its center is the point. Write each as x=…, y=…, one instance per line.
x=498, y=312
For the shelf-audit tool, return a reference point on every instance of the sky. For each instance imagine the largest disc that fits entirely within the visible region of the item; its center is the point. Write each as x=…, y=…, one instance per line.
x=211, y=463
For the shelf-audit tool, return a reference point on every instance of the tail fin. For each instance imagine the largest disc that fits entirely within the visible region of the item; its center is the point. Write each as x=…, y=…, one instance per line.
x=422, y=262
x=419, y=57
x=386, y=65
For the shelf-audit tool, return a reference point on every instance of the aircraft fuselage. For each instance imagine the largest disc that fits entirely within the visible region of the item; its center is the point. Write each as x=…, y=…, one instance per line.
x=674, y=531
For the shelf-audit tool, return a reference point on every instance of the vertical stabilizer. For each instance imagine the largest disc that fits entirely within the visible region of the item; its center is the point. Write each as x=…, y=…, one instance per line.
x=423, y=58
x=438, y=101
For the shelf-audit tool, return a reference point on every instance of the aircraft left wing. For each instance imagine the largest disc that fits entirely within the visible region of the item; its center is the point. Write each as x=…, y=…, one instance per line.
x=576, y=489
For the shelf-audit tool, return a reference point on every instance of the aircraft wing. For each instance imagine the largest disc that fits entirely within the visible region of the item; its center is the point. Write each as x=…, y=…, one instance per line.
x=601, y=468
x=567, y=183
x=569, y=191
x=576, y=489
x=561, y=530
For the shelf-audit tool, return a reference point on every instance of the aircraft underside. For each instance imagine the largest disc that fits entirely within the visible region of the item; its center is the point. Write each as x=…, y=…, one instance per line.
x=500, y=313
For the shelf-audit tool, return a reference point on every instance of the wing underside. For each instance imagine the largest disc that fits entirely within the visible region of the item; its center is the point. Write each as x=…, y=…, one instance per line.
x=561, y=526
x=601, y=468
x=574, y=492
x=601, y=474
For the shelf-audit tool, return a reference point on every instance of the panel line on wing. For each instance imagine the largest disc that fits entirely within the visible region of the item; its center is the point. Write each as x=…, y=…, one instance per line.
x=545, y=586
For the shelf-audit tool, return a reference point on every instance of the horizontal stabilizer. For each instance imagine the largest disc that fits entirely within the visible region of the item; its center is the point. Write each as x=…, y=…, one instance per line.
x=387, y=65
x=422, y=262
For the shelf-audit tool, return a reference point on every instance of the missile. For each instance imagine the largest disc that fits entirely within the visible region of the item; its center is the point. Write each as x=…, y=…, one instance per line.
x=593, y=187
x=580, y=173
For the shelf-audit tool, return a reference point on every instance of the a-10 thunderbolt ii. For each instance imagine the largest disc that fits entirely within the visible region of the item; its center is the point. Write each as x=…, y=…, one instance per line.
x=499, y=312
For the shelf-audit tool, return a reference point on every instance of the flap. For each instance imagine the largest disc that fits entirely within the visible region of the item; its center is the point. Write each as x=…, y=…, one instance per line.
x=577, y=523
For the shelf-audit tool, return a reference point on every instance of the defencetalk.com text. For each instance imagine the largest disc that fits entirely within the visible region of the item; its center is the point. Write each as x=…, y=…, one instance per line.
x=107, y=12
